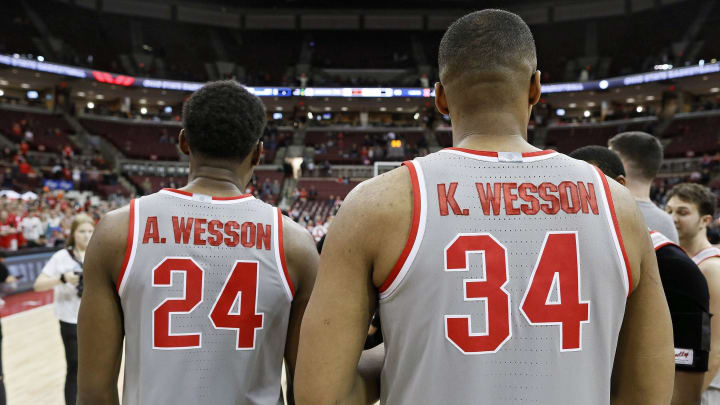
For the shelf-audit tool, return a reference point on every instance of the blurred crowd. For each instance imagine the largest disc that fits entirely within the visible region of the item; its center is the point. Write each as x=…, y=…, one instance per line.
x=45, y=221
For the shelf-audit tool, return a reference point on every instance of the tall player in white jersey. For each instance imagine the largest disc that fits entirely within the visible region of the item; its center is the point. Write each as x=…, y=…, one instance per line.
x=503, y=274
x=692, y=207
x=206, y=285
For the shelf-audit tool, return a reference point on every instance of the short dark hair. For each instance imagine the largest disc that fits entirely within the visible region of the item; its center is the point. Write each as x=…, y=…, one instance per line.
x=223, y=120
x=701, y=196
x=605, y=159
x=643, y=151
x=487, y=41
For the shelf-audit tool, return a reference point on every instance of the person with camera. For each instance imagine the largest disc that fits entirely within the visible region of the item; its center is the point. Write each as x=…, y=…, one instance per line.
x=63, y=273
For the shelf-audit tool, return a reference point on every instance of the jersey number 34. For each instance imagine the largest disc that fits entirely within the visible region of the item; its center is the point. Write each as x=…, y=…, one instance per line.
x=558, y=265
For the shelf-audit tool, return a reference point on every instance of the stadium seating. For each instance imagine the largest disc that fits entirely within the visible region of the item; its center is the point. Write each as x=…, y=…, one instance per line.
x=696, y=134
x=136, y=140
x=567, y=138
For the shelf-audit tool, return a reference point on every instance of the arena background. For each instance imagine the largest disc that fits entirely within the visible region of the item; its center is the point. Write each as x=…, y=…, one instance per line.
x=91, y=93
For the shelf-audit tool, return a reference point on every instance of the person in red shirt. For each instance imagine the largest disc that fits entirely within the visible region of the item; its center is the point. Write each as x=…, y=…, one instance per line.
x=24, y=148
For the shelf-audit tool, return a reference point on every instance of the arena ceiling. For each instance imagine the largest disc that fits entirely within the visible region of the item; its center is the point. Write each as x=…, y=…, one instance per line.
x=373, y=4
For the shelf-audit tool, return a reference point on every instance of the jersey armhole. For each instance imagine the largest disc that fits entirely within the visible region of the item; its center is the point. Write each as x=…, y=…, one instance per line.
x=615, y=231
x=280, y=254
x=417, y=229
x=131, y=246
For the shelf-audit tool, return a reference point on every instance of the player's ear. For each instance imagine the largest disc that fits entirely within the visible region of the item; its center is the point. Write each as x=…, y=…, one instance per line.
x=183, y=144
x=706, y=220
x=620, y=179
x=441, y=99
x=534, y=94
x=257, y=154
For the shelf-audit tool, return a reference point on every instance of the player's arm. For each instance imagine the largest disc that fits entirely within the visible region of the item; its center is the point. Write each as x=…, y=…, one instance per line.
x=100, y=321
x=688, y=388
x=336, y=322
x=644, y=369
x=302, y=261
x=711, y=269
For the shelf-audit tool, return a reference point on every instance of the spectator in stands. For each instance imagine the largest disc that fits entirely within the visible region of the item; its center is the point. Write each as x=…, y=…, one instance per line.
x=8, y=231
x=312, y=193
x=62, y=273
x=641, y=155
x=276, y=187
x=32, y=229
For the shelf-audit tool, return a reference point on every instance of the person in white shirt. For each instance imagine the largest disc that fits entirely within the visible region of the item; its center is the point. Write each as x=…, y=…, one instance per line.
x=62, y=273
x=32, y=228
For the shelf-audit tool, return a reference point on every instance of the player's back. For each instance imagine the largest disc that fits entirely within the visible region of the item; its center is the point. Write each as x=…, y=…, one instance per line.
x=512, y=287
x=206, y=300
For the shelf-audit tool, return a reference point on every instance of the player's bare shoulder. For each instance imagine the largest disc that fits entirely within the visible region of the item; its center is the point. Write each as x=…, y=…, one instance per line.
x=387, y=197
x=109, y=242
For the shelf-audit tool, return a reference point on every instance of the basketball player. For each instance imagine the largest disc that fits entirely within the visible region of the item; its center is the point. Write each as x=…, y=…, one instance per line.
x=692, y=207
x=685, y=288
x=207, y=286
x=503, y=274
x=642, y=155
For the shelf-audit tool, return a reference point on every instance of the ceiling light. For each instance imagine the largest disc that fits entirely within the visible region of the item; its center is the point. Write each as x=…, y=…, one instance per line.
x=639, y=109
x=383, y=109
x=81, y=94
x=572, y=105
x=714, y=90
x=328, y=108
x=650, y=98
x=160, y=102
x=25, y=86
x=90, y=105
x=591, y=104
x=2, y=93
x=586, y=113
x=343, y=108
x=99, y=97
x=398, y=109
x=143, y=111
x=416, y=116
x=630, y=100
x=143, y=101
x=278, y=108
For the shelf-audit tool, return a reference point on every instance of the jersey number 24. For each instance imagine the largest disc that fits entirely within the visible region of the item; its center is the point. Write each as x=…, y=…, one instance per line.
x=241, y=285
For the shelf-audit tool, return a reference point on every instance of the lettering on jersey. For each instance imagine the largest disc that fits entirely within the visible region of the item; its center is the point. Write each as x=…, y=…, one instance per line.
x=201, y=232
x=446, y=198
x=489, y=197
x=525, y=198
x=152, y=234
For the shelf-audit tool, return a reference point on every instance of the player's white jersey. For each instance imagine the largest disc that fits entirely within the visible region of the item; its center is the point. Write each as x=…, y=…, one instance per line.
x=512, y=286
x=706, y=254
x=206, y=298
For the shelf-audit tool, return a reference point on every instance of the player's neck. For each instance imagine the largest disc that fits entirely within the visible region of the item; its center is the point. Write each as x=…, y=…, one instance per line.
x=491, y=131
x=639, y=189
x=216, y=181
x=696, y=243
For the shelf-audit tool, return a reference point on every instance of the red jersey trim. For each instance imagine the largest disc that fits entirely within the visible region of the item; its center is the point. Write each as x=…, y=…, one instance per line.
x=495, y=154
x=189, y=194
x=413, y=228
x=237, y=197
x=129, y=247
x=281, y=251
x=183, y=192
x=618, y=235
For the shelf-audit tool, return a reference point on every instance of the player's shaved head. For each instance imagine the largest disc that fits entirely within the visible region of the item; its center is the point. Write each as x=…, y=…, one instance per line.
x=489, y=42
